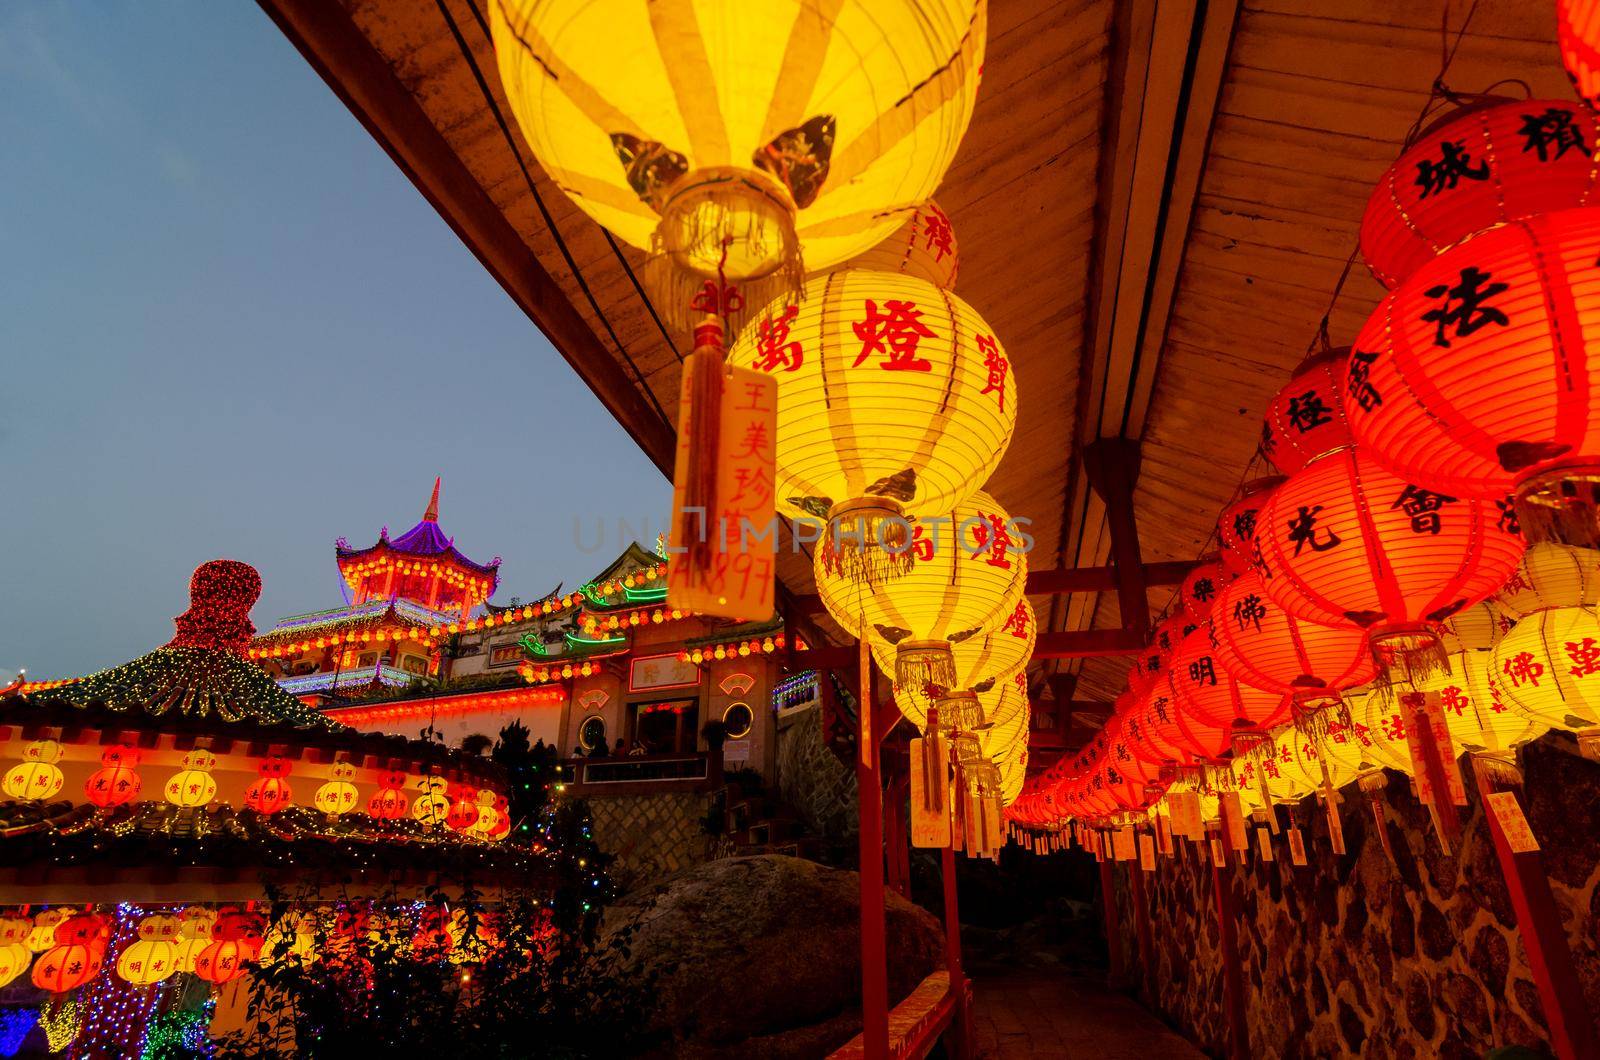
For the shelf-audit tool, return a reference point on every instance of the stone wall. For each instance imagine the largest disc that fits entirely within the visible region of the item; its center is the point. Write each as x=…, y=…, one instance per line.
x=652, y=836
x=812, y=779
x=1352, y=955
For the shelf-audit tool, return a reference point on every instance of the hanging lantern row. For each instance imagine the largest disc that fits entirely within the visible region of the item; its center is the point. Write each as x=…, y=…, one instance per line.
x=360, y=571
x=290, y=649
x=538, y=675
x=593, y=624
x=738, y=649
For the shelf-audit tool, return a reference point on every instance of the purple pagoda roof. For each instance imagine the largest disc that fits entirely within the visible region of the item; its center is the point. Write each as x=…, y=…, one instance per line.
x=424, y=539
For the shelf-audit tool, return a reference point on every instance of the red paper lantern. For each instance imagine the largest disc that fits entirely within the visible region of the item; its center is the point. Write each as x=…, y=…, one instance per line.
x=1152, y=728
x=1200, y=587
x=1306, y=418
x=270, y=792
x=1578, y=37
x=236, y=944
x=1482, y=167
x=1475, y=376
x=1132, y=781
x=116, y=782
x=1345, y=540
x=390, y=802
x=1236, y=526
x=1214, y=706
x=463, y=808
x=77, y=955
x=1262, y=644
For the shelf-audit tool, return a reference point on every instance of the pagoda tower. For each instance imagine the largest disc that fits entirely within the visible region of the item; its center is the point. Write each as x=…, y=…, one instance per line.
x=421, y=566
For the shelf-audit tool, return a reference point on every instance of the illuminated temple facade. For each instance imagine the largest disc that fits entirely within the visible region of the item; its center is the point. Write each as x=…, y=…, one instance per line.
x=421, y=643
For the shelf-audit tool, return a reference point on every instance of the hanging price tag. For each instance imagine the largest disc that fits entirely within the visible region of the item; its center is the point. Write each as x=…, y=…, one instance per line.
x=930, y=802
x=1297, y=846
x=1186, y=814
x=1513, y=823
x=1233, y=821
x=1147, y=852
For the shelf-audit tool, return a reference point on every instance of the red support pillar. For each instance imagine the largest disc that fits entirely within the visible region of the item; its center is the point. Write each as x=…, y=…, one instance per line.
x=1108, y=898
x=1141, y=919
x=897, y=835
x=1232, y=970
x=874, y=942
x=963, y=1047
x=1572, y=1029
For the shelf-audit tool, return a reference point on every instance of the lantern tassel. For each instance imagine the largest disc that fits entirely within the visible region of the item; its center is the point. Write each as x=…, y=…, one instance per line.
x=706, y=375
x=924, y=667
x=867, y=542
x=1410, y=655
x=1373, y=785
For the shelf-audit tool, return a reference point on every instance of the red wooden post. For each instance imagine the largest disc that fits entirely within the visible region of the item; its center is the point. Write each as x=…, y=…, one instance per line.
x=963, y=1044
x=1232, y=972
x=1572, y=1029
x=1108, y=898
x=1141, y=919
x=874, y=943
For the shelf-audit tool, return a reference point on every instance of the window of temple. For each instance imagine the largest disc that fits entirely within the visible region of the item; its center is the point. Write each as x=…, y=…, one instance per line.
x=738, y=719
x=592, y=733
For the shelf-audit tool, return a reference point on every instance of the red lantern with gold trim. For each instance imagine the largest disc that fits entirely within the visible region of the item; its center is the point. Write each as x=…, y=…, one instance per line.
x=1152, y=728
x=390, y=802
x=270, y=792
x=1236, y=526
x=1346, y=541
x=1481, y=167
x=1132, y=781
x=236, y=944
x=1213, y=706
x=1479, y=376
x=116, y=781
x=76, y=957
x=1306, y=418
x=1262, y=644
x=463, y=807
x=1200, y=587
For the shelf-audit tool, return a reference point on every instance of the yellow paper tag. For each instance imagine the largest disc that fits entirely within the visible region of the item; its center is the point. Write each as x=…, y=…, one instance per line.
x=1186, y=821
x=1122, y=844
x=1147, y=852
x=1216, y=853
x=1264, y=842
x=1513, y=823
x=930, y=807
x=1233, y=821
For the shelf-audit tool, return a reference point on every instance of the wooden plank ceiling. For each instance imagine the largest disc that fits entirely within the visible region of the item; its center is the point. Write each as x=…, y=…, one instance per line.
x=1154, y=203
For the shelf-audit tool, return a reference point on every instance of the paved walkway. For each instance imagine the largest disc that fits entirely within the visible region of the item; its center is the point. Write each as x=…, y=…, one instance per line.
x=1049, y=1014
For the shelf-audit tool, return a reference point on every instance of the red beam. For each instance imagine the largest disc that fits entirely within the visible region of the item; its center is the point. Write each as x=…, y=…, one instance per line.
x=1113, y=467
x=874, y=936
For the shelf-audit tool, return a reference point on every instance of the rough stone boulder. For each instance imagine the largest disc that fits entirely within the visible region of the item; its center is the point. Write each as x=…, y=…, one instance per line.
x=760, y=957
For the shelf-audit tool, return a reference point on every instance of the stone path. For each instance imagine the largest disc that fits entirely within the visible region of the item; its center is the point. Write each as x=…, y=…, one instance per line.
x=1047, y=1014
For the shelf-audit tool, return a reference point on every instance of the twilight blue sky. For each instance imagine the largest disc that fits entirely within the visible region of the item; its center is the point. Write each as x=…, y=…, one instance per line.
x=229, y=326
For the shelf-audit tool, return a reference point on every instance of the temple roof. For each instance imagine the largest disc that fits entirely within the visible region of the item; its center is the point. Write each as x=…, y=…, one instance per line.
x=424, y=539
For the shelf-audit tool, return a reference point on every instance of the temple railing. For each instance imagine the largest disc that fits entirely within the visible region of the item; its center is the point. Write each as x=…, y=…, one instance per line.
x=639, y=774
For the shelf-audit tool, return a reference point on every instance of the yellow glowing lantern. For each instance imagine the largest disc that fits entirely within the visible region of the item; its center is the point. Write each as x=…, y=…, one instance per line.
x=154, y=956
x=730, y=134
x=895, y=401
x=38, y=777
x=976, y=663
x=337, y=796
x=14, y=960
x=193, y=785
x=195, y=929
x=1548, y=669
x=1475, y=711
x=433, y=805
x=967, y=574
x=1387, y=722
x=1551, y=575
x=924, y=246
x=43, y=935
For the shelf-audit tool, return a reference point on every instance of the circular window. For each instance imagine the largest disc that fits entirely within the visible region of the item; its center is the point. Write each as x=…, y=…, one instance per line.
x=592, y=733
x=737, y=719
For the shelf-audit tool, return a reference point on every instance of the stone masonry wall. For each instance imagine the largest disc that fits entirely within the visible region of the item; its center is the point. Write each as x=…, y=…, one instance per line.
x=652, y=836
x=811, y=778
x=1355, y=956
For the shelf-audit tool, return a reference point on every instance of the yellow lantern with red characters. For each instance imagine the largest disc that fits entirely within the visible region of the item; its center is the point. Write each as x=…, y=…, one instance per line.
x=432, y=807
x=978, y=663
x=38, y=777
x=924, y=246
x=195, y=927
x=193, y=785
x=896, y=401
x=154, y=955
x=338, y=795
x=15, y=956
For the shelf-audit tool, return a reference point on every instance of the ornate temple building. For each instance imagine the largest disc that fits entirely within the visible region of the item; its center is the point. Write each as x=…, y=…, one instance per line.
x=420, y=645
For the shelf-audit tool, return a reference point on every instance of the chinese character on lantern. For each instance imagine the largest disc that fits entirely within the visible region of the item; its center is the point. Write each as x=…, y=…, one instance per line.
x=1308, y=411
x=773, y=348
x=1203, y=671
x=1356, y=380
x=995, y=363
x=893, y=333
x=1585, y=656
x=1523, y=668
x=1423, y=508
x=1249, y=611
x=1553, y=128
x=1463, y=306
x=1303, y=531
x=1453, y=165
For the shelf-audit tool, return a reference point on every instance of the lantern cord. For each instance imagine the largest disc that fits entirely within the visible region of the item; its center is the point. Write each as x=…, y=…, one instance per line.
x=544, y=211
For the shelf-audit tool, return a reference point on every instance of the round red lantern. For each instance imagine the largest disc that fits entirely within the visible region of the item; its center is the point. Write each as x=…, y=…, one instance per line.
x=1306, y=418
x=77, y=955
x=1200, y=587
x=1484, y=166
x=270, y=792
x=1262, y=644
x=463, y=807
x=1346, y=541
x=116, y=782
x=236, y=944
x=390, y=802
x=1578, y=37
x=1152, y=728
x=1213, y=706
x=1236, y=526
x=1475, y=377
x=1132, y=781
